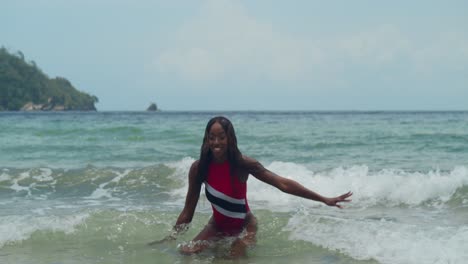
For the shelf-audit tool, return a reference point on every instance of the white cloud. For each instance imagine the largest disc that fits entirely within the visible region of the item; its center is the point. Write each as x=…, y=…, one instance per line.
x=381, y=45
x=224, y=41
x=448, y=49
x=193, y=63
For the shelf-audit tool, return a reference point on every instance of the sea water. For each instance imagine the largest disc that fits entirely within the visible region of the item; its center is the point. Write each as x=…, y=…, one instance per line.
x=97, y=187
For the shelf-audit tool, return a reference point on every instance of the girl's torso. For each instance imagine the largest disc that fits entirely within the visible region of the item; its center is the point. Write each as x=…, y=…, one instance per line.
x=228, y=197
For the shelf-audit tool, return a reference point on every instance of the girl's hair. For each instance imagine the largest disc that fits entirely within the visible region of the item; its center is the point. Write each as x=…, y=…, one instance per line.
x=234, y=156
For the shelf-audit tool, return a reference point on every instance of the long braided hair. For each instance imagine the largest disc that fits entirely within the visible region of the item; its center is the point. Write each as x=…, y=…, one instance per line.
x=234, y=156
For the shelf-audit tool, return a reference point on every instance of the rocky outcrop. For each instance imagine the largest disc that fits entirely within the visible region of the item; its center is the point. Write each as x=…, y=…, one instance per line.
x=31, y=107
x=23, y=86
x=49, y=106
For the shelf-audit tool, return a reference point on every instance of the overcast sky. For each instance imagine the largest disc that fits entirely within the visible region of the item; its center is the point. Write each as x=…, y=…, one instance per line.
x=249, y=55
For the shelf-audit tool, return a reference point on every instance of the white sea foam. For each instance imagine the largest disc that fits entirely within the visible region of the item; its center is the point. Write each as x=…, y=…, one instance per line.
x=39, y=176
x=382, y=240
x=45, y=175
x=385, y=187
x=15, y=228
x=102, y=192
x=182, y=169
x=17, y=187
x=5, y=176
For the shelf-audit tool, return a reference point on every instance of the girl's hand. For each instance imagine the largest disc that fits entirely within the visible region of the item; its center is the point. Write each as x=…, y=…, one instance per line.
x=335, y=200
x=193, y=247
x=170, y=237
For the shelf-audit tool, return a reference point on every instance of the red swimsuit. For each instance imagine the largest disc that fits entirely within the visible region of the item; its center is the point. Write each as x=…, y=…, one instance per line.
x=228, y=197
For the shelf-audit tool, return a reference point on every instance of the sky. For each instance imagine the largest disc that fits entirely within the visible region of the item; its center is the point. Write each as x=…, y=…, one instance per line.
x=249, y=54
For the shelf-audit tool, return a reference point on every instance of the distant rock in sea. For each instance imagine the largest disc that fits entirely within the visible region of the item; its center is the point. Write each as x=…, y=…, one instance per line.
x=153, y=107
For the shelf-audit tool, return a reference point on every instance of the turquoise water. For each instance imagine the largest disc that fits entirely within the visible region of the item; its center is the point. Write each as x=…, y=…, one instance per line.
x=96, y=187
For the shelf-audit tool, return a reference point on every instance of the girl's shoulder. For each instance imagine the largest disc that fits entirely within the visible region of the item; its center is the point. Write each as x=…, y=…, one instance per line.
x=248, y=159
x=194, y=166
x=252, y=165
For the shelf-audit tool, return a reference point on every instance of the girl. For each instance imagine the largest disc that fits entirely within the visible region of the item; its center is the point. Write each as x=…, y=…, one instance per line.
x=224, y=171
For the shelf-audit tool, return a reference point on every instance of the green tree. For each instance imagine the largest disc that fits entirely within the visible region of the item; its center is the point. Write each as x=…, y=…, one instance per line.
x=22, y=82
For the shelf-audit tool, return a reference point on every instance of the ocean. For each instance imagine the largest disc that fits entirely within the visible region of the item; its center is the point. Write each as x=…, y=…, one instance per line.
x=96, y=187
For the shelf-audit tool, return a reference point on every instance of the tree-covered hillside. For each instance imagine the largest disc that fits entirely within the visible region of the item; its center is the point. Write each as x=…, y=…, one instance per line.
x=24, y=86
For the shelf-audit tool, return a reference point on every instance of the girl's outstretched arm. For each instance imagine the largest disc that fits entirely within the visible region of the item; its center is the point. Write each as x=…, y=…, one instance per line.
x=290, y=186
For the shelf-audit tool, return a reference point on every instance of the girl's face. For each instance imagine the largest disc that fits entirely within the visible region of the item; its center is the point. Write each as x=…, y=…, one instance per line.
x=217, y=140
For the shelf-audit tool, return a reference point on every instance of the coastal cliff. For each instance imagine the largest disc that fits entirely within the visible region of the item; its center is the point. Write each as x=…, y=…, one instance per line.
x=24, y=87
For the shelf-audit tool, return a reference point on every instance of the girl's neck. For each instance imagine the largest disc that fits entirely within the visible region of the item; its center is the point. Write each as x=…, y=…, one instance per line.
x=219, y=161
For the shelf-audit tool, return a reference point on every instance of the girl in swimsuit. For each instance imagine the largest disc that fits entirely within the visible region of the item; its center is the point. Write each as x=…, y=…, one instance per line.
x=224, y=172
